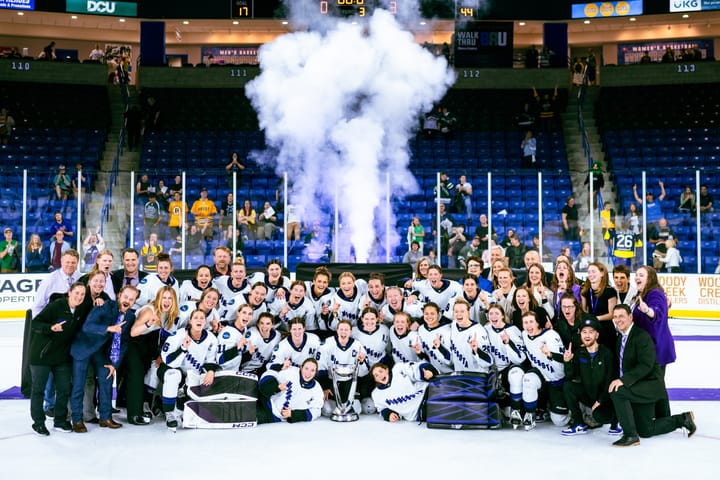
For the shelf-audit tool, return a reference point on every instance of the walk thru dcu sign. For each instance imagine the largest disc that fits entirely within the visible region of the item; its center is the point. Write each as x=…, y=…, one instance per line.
x=102, y=7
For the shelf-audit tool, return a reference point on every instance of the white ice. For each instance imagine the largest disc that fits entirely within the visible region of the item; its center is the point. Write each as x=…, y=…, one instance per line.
x=369, y=448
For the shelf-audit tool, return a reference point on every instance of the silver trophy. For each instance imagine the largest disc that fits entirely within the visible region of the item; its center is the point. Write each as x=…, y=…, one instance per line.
x=344, y=411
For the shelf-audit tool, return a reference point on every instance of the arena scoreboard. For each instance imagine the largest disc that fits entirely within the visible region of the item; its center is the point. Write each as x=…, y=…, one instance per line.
x=356, y=8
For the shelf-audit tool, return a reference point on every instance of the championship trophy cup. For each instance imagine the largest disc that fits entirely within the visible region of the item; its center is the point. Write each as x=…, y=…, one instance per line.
x=342, y=375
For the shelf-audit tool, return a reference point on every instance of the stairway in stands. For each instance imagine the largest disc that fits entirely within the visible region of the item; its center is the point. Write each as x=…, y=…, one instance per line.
x=116, y=224
x=578, y=162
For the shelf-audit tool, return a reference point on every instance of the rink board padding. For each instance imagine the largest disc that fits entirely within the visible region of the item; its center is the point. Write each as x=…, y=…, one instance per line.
x=462, y=415
x=220, y=414
x=467, y=387
x=226, y=386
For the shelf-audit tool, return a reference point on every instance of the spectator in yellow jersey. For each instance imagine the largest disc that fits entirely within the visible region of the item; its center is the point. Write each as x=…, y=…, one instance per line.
x=204, y=210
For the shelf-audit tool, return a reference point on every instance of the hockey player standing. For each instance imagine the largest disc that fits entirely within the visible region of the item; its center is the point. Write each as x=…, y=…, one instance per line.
x=507, y=350
x=434, y=344
x=295, y=348
x=469, y=343
x=194, y=350
x=402, y=339
x=544, y=349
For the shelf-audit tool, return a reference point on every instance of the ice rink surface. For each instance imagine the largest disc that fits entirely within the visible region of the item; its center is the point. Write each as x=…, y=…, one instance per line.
x=369, y=448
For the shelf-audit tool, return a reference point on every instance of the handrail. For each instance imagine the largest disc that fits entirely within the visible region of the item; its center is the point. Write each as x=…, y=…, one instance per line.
x=107, y=200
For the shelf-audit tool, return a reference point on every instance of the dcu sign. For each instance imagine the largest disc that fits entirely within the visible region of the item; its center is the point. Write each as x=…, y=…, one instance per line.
x=102, y=7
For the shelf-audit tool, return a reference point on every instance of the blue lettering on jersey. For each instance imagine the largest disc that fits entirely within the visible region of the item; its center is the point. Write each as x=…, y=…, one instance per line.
x=461, y=358
x=539, y=363
x=193, y=361
x=397, y=353
x=288, y=394
x=402, y=399
x=498, y=354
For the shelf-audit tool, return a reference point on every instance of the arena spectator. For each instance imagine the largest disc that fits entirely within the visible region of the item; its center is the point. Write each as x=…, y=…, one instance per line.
x=706, y=200
x=152, y=216
x=58, y=246
x=204, y=211
x=416, y=233
x=149, y=253
x=266, y=222
x=9, y=253
x=234, y=166
x=446, y=189
x=92, y=246
x=413, y=256
x=463, y=193
x=60, y=224
x=247, y=219
x=227, y=211
x=570, y=220
x=687, y=201
x=36, y=255
x=175, y=210
x=96, y=54
x=653, y=212
x=142, y=189
x=62, y=184
x=7, y=123
x=529, y=149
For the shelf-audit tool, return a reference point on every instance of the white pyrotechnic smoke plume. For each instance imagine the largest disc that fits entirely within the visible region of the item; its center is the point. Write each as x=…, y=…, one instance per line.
x=338, y=106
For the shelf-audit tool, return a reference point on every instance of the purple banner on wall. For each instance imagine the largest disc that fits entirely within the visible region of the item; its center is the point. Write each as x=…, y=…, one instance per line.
x=695, y=49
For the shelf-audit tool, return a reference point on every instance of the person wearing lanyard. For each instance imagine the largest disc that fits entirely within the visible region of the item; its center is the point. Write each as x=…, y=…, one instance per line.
x=599, y=298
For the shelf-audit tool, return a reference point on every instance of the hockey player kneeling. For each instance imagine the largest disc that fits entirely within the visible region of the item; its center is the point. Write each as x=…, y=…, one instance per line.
x=400, y=393
x=544, y=349
x=190, y=350
x=290, y=395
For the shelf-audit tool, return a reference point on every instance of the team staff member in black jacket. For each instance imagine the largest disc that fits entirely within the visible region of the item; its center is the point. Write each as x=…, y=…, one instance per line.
x=588, y=372
x=53, y=331
x=640, y=385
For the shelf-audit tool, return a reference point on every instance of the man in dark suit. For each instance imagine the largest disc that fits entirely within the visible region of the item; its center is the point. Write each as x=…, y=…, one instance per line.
x=102, y=341
x=129, y=274
x=640, y=385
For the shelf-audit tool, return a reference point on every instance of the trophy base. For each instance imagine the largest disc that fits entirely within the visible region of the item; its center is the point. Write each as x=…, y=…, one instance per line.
x=339, y=416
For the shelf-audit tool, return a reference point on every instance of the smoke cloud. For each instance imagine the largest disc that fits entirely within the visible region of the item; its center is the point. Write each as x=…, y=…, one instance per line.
x=338, y=104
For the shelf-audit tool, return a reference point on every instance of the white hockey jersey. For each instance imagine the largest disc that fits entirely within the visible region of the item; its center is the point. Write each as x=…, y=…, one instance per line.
x=442, y=296
x=303, y=309
x=505, y=355
x=440, y=357
x=190, y=292
x=229, y=357
x=228, y=309
x=309, y=348
x=199, y=354
x=150, y=285
x=414, y=310
x=299, y=395
x=317, y=302
x=404, y=393
x=263, y=349
x=333, y=354
x=227, y=291
x=186, y=310
x=553, y=369
x=272, y=289
x=350, y=307
x=464, y=359
x=374, y=343
x=401, y=347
